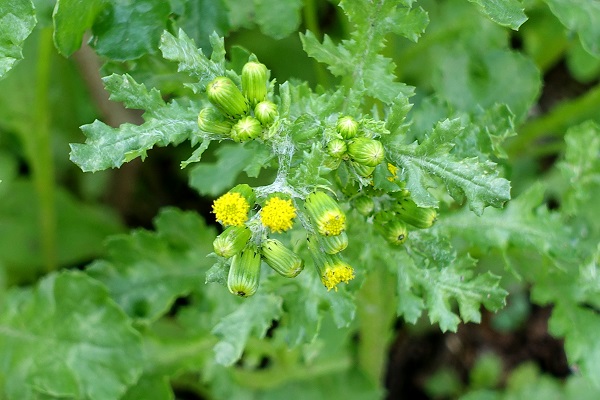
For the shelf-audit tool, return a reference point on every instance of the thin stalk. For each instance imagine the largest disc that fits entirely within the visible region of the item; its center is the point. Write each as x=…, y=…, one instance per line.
x=40, y=152
x=312, y=24
x=376, y=313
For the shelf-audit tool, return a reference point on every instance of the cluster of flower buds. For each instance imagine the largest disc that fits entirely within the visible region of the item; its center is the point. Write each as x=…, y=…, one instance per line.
x=351, y=145
x=245, y=240
x=240, y=115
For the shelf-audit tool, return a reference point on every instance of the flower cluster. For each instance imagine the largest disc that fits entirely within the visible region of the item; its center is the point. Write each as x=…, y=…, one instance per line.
x=239, y=115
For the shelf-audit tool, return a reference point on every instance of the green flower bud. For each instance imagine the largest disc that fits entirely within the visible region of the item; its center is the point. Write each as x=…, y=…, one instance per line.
x=332, y=270
x=244, y=272
x=265, y=112
x=366, y=151
x=246, y=191
x=347, y=127
x=364, y=205
x=226, y=96
x=246, y=129
x=363, y=170
x=212, y=121
x=231, y=241
x=414, y=215
x=334, y=244
x=325, y=213
x=395, y=232
x=336, y=148
x=254, y=82
x=284, y=261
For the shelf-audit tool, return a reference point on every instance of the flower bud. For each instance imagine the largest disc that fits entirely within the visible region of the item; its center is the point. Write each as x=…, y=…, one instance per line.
x=254, y=82
x=336, y=148
x=334, y=244
x=265, y=112
x=366, y=151
x=226, y=96
x=246, y=129
x=364, y=205
x=347, y=127
x=325, y=213
x=231, y=241
x=244, y=272
x=362, y=170
x=212, y=121
x=332, y=270
x=414, y=215
x=284, y=261
x=395, y=232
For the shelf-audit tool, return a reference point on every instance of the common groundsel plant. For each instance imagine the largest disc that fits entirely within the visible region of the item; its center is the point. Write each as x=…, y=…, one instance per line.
x=337, y=209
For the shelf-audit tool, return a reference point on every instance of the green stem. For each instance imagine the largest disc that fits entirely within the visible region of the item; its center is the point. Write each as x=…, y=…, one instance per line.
x=557, y=121
x=312, y=24
x=376, y=313
x=40, y=152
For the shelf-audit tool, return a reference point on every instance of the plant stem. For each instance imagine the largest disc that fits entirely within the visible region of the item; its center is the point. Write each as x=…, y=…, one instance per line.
x=557, y=121
x=40, y=152
x=312, y=24
x=376, y=313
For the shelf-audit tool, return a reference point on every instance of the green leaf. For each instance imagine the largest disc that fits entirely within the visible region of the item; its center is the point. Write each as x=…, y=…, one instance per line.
x=150, y=387
x=130, y=29
x=215, y=178
x=277, y=18
x=478, y=181
x=108, y=147
x=182, y=50
x=17, y=20
x=200, y=18
x=71, y=18
x=82, y=343
x=253, y=317
x=504, y=12
x=147, y=271
x=82, y=229
x=582, y=17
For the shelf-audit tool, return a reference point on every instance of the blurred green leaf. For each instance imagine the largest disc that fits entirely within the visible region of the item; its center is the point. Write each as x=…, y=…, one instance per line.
x=277, y=18
x=71, y=18
x=66, y=338
x=154, y=387
x=17, y=20
x=127, y=30
x=504, y=12
x=147, y=271
x=582, y=17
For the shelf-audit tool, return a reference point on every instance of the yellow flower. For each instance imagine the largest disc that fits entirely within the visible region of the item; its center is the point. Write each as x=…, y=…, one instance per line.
x=336, y=271
x=394, y=171
x=278, y=214
x=231, y=209
x=326, y=214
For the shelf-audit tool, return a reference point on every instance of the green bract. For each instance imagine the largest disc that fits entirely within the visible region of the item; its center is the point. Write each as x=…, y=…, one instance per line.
x=284, y=261
x=244, y=272
x=226, y=96
x=254, y=82
x=231, y=241
x=367, y=152
x=212, y=121
x=247, y=128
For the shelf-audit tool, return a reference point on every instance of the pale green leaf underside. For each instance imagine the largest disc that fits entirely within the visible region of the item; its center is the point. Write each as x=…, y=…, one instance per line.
x=66, y=338
x=17, y=20
x=504, y=12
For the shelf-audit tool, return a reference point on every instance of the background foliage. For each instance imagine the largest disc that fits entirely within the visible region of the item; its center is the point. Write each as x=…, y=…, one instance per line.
x=105, y=285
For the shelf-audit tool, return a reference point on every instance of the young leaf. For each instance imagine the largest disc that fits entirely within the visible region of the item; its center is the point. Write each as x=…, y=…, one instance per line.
x=82, y=343
x=71, y=19
x=130, y=29
x=254, y=316
x=478, y=181
x=108, y=147
x=147, y=271
x=504, y=12
x=17, y=20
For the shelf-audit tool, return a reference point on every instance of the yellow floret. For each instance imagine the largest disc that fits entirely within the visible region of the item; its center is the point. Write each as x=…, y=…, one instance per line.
x=336, y=273
x=278, y=214
x=332, y=223
x=231, y=209
x=394, y=171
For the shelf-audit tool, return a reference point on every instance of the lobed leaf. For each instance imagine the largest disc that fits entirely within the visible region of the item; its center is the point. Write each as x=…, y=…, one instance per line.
x=17, y=20
x=66, y=338
x=146, y=271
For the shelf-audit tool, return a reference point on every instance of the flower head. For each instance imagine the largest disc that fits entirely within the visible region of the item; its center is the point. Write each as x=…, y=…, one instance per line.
x=347, y=127
x=284, y=261
x=231, y=209
x=332, y=270
x=326, y=214
x=226, y=96
x=394, y=171
x=278, y=214
x=244, y=273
